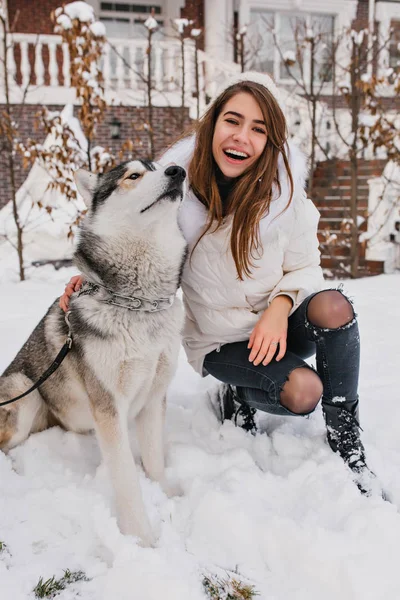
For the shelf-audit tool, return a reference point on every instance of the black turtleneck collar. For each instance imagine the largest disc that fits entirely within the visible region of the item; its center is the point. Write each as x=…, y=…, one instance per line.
x=225, y=185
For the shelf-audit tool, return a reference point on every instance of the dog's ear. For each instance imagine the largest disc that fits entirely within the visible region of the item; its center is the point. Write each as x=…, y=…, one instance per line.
x=85, y=182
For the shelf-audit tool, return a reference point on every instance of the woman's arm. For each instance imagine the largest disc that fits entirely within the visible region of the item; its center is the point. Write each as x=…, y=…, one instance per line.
x=301, y=263
x=302, y=276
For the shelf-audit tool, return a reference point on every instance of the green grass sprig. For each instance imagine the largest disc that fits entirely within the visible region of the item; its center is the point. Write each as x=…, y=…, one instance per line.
x=51, y=587
x=227, y=589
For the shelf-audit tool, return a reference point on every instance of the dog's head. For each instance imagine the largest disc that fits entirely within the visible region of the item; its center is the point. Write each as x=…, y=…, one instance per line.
x=132, y=190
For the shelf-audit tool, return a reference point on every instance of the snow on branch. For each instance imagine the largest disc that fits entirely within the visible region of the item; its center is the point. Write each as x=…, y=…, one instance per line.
x=289, y=57
x=358, y=36
x=181, y=24
x=3, y=15
x=151, y=23
x=85, y=38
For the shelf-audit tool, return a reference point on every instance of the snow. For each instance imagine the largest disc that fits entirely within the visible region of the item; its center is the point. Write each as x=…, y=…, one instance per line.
x=344, y=86
x=383, y=208
x=195, y=32
x=366, y=77
x=289, y=56
x=84, y=13
x=64, y=22
x=279, y=507
x=367, y=120
x=358, y=36
x=79, y=10
x=45, y=235
x=310, y=35
x=150, y=23
x=181, y=24
x=98, y=29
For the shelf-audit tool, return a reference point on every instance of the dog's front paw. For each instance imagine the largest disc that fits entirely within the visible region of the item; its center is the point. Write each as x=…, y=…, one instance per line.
x=138, y=528
x=147, y=541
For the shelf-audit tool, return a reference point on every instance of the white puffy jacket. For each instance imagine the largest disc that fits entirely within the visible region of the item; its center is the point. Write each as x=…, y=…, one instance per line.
x=219, y=307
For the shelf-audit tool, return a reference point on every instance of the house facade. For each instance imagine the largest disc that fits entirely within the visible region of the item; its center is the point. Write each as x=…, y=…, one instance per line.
x=235, y=35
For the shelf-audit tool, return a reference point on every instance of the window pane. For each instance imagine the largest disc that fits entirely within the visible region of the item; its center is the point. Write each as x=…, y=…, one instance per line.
x=291, y=27
x=259, y=43
x=293, y=30
x=322, y=27
x=117, y=28
x=140, y=32
x=127, y=7
x=394, y=54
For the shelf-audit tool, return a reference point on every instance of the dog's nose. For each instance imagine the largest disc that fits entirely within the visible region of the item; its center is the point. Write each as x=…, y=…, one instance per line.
x=175, y=172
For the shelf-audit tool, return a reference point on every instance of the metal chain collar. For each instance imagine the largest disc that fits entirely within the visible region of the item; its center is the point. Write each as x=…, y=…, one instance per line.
x=135, y=303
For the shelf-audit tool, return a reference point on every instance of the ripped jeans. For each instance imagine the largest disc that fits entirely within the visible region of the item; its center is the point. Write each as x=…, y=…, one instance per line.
x=337, y=363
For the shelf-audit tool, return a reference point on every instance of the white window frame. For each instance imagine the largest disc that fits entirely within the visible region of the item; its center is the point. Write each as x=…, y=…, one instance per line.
x=277, y=61
x=385, y=12
x=132, y=16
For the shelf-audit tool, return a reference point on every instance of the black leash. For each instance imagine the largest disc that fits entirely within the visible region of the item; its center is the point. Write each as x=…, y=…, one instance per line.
x=53, y=367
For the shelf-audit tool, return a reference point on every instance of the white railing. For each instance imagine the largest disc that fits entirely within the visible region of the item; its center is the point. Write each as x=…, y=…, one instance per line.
x=125, y=64
x=40, y=65
x=44, y=60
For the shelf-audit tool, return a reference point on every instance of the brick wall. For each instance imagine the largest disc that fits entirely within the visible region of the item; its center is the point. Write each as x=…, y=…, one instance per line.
x=33, y=16
x=361, y=20
x=194, y=11
x=167, y=126
x=331, y=195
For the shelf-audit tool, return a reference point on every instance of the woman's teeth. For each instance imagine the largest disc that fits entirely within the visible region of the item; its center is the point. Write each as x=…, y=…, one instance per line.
x=236, y=154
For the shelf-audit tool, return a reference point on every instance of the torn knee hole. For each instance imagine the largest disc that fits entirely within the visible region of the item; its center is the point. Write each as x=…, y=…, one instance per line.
x=301, y=391
x=330, y=309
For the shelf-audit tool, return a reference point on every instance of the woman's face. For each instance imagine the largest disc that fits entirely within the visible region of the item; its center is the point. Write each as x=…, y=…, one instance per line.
x=240, y=135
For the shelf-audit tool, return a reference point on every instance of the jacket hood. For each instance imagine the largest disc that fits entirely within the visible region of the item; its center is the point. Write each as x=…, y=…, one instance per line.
x=254, y=76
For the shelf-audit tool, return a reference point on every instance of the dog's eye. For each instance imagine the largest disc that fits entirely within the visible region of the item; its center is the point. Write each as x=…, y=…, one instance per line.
x=134, y=176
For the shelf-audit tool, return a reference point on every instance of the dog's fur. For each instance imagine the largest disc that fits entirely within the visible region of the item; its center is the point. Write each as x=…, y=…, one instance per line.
x=121, y=361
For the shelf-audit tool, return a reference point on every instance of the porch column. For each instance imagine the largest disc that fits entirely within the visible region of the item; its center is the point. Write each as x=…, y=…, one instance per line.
x=218, y=28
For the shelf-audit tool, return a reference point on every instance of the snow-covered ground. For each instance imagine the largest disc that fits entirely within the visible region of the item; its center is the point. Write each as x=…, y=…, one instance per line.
x=279, y=508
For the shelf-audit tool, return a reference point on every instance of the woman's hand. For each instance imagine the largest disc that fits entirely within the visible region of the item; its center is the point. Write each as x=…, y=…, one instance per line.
x=74, y=284
x=270, y=331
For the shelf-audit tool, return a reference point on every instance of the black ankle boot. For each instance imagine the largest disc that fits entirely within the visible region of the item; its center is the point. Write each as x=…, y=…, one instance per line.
x=231, y=407
x=343, y=433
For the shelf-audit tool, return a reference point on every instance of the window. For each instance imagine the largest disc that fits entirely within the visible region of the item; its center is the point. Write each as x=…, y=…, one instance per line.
x=394, y=45
x=134, y=8
x=274, y=37
x=259, y=42
x=125, y=20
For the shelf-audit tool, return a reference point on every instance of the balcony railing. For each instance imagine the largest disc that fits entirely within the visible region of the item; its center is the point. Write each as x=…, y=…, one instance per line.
x=39, y=65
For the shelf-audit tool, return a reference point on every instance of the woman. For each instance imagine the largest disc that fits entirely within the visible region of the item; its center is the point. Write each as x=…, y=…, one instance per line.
x=252, y=283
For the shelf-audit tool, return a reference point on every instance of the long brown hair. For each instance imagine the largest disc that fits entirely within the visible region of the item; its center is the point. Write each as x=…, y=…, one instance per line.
x=251, y=197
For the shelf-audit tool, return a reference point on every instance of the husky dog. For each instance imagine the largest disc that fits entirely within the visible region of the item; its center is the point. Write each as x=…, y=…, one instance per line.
x=125, y=324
